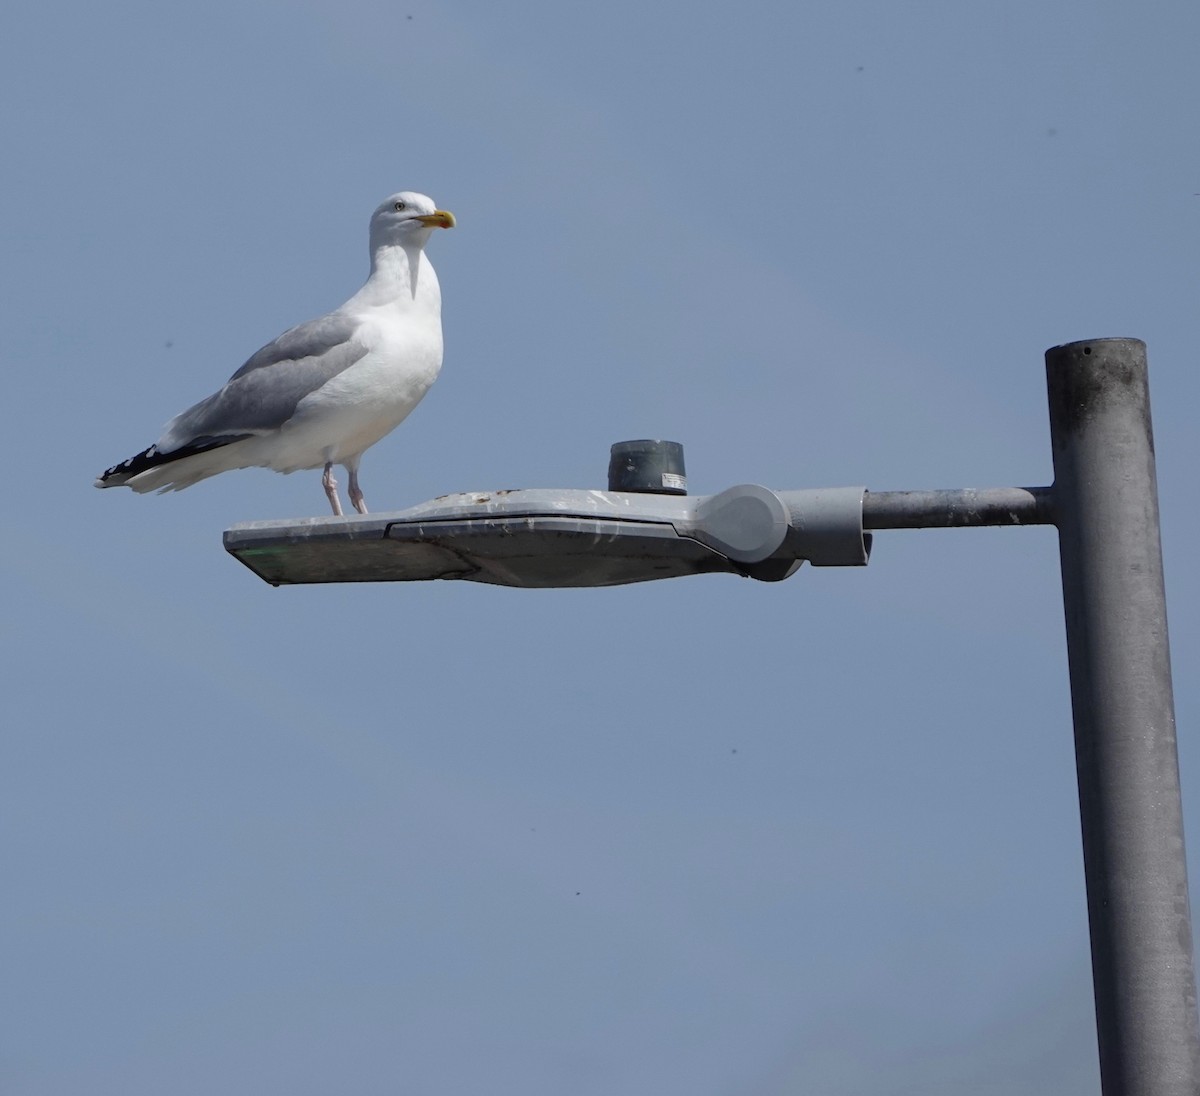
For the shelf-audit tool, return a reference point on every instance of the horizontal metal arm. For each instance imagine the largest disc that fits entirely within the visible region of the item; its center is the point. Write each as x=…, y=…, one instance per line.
x=962, y=508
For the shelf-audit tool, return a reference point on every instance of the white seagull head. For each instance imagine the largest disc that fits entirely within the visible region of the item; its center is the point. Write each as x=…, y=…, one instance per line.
x=407, y=219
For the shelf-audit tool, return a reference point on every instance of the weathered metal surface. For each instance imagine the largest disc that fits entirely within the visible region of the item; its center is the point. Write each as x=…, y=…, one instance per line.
x=964, y=507
x=1106, y=505
x=558, y=538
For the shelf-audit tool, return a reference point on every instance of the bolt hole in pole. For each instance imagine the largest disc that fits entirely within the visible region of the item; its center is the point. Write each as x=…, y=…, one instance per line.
x=1106, y=508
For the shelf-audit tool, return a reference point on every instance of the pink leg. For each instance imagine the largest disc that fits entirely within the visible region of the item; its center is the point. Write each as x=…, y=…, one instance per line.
x=356, y=495
x=330, y=485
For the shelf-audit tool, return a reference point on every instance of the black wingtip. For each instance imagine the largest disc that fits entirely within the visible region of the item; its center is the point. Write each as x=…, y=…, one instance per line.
x=122, y=473
x=127, y=469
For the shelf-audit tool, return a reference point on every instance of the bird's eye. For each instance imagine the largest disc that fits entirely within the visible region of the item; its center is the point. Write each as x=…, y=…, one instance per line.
x=400, y=205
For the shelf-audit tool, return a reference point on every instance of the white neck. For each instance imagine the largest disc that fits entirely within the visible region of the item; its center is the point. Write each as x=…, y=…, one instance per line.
x=399, y=276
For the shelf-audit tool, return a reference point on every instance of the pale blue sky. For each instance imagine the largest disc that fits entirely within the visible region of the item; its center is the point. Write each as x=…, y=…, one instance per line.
x=699, y=838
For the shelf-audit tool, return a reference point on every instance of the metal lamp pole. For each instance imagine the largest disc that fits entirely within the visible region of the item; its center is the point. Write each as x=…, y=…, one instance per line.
x=1105, y=504
x=1106, y=509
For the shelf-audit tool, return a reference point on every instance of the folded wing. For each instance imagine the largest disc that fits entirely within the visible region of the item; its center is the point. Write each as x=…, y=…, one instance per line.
x=262, y=395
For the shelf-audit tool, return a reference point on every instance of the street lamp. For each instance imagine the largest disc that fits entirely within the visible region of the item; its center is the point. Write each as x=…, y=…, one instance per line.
x=1104, y=502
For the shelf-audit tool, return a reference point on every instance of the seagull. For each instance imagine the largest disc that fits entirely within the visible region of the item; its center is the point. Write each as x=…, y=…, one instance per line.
x=325, y=391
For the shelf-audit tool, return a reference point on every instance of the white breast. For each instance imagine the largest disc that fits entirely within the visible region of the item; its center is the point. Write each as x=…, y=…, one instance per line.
x=358, y=407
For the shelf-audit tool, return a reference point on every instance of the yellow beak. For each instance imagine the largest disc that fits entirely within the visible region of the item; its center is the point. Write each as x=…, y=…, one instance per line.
x=439, y=218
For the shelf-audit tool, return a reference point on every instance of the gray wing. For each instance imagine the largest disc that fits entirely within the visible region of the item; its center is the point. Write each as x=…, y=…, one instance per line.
x=262, y=395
